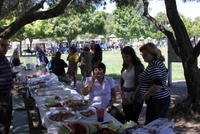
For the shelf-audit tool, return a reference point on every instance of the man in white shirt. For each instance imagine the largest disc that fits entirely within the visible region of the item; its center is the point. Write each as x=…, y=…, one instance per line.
x=100, y=88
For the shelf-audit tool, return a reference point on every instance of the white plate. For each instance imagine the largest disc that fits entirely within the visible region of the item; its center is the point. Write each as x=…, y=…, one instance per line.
x=85, y=110
x=75, y=117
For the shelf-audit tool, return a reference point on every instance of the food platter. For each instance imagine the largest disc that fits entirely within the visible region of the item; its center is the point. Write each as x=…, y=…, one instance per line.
x=53, y=104
x=87, y=113
x=62, y=116
x=76, y=104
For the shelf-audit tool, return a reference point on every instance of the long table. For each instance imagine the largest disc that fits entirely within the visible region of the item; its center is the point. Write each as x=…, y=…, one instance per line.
x=55, y=88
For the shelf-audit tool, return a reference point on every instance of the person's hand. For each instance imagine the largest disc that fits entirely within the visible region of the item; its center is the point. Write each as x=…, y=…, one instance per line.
x=122, y=93
x=83, y=92
x=134, y=97
x=94, y=77
x=147, y=96
x=125, y=101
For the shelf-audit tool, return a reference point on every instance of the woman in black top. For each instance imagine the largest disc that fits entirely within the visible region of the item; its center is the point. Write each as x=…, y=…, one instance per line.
x=58, y=66
x=153, y=83
x=131, y=69
x=97, y=54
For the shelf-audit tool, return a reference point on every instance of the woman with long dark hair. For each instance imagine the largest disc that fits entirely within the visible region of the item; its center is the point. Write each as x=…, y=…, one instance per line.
x=97, y=54
x=132, y=67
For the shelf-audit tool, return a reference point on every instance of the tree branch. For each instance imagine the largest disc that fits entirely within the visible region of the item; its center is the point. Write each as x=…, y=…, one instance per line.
x=169, y=34
x=36, y=7
x=3, y=28
x=197, y=50
x=29, y=16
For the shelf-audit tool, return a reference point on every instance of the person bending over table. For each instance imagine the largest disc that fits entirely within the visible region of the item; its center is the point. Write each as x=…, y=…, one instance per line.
x=153, y=83
x=100, y=88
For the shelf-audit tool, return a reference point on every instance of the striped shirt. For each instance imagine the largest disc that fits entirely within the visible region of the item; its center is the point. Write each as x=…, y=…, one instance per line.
x=154, y=74
x=6, y=80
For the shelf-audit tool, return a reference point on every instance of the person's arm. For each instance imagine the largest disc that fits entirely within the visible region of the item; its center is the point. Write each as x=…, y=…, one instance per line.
x=151, y=91
x=112, y=93
x=136, y=93
x=113, y=97
x=156, y=77
x=80, y=57
x=76, y=58
x=121, y=87
x=64, y=64
x=68, y=57
x=87, y=88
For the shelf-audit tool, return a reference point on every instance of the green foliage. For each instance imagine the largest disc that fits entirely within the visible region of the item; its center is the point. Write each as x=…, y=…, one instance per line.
x=122, y=3
x=109, y=26
x=97, y=23
x=188, y=24
x=69, y=27
x=192, y=26
x=151, y=29
x=38, y=29
x=19, y=36
x=196, y=27
x=128, y=23
x=125, y=22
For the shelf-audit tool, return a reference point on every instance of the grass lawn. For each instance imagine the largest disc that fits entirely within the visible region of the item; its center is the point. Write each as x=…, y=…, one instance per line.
x=113, y=61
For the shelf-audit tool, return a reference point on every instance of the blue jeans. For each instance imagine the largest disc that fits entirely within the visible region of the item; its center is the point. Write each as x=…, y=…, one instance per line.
x=157, y=108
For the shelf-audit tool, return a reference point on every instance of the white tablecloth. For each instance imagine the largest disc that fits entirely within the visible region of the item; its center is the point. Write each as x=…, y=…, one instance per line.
x=63, y=91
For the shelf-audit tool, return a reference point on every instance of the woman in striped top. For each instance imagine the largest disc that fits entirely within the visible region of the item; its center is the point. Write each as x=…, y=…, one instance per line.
x=153, y=83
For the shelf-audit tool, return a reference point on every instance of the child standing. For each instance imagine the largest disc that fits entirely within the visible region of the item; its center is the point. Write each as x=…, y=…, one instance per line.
x=73, y=61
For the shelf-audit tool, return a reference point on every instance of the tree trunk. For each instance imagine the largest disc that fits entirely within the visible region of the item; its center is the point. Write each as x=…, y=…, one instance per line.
x=31, y=42
x=34, y=14
x=187, y=54
x=20, y=48
x=69, y=40
x=27, y=46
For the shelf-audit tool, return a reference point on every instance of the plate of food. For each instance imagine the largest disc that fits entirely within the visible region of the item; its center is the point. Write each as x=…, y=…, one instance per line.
x=87, y=113
x=53, y=104
x=76, y=104
x=62, y=116
x=52, y=98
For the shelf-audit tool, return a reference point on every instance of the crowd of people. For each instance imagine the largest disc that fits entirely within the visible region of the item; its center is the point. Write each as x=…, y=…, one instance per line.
x=138, y=84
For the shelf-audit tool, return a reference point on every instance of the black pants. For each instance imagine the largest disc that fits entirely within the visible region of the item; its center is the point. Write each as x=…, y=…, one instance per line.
x=5, y=112
x=132, y=111
x=157, y=108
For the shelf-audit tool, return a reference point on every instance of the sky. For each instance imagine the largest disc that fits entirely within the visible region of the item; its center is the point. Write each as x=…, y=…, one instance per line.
x=188, y=9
